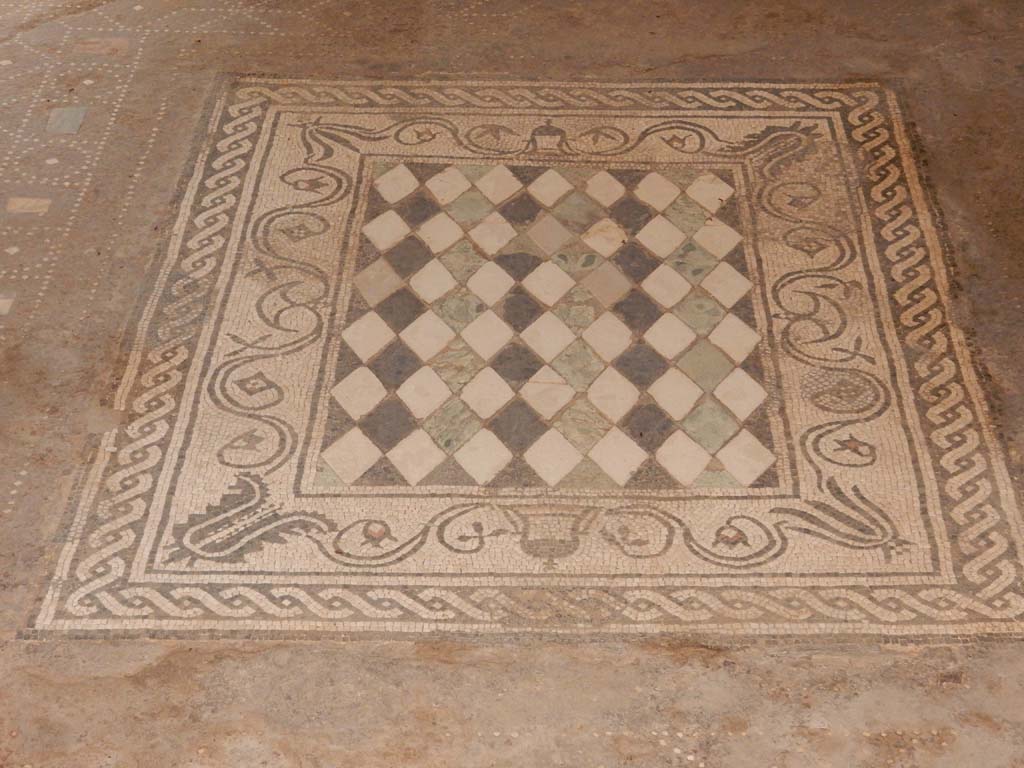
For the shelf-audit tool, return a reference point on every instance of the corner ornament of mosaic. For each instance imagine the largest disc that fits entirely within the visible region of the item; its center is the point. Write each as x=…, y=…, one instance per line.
x=505, y=357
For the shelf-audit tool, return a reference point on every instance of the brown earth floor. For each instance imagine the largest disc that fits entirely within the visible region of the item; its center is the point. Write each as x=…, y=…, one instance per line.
x=85, y=703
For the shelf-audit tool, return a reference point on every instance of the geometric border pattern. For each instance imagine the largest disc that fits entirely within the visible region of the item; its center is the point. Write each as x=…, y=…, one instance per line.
x=93, y=589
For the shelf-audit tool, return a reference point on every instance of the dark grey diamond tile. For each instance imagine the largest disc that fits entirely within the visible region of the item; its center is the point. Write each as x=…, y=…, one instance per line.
x=518, y=264
x=448, y=472
x=635, y=262
x=516, y=363
x=517, y=425
x=425, y=171
x=637, y=311
x=394, y=364
x=651, y=476
x=520, y=210
x=388, y=423
x=408, y=256
x=519, y=309
x=400, y=308
x=648, y=425
x=641, y=365
x=628, y=177
x=630, y=214
x=526, y=174
x=417, y=208
x=382, y=473
x=517, y=474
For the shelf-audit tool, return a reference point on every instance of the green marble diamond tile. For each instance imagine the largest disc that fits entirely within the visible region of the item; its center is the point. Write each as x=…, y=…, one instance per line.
x=578, y=365
x=686, y=215
x=692, y=262
x=582, y=424
x=462, y=260
x=469, y=208
x=578, y=212
x=452, y=425
x=699, y=311
x=710, y=424
x=456, y=364
x=705, y=364
x=460, y=308
x=578, y=309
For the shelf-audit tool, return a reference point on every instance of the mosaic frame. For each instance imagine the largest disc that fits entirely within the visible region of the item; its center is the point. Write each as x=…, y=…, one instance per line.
x=94, y=589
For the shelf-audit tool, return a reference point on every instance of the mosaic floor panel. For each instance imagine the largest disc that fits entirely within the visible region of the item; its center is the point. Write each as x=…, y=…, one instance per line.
x=510, y=357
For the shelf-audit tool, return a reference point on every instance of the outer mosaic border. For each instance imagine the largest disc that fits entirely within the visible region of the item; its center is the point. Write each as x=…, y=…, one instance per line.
x=979, y=507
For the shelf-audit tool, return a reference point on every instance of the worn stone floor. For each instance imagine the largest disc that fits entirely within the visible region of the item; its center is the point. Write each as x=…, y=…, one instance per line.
x=499, y=485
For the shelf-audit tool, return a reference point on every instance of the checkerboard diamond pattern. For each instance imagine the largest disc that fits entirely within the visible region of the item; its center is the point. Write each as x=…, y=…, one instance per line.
x=516, y=325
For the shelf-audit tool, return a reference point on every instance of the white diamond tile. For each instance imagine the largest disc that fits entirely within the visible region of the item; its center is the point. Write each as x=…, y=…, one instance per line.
x=547, y=392
x=617, y=455
x=548, y=188
x=427, y=335
x=548, y=233
x=448, y=185
x=486, y=393
x=669, y=335
x=415, y=456
x=483, y=456
x=605, y=237
x=386, y=230
x=682, y=458
x=740, y=393
x=548, y=283
x=396, y=183
x=359, y=392
x=745, y=457
x=487, y=334
x=493, y=233
x=734, y=337
x=660, y=236
x=657, y=191
x=725, y=284
x=604, y=188
x=666, y=286
x=676, y=393
x=351, y=455
x=608, y=336
x=433, y=281
x=368, y=335
x=499, y=184
x=377, y=282
x=423, y=392
x=607, y=284
x=613, y=394
x=490, y=283
x=552, y=457
x=440, y=232
x=547, y=336
x=717, y=238
x=709, y=191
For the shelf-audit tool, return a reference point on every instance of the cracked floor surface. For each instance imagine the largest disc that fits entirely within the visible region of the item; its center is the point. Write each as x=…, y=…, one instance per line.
x=101, y=105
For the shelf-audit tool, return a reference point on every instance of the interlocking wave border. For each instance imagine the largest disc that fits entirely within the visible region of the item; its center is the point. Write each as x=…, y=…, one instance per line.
x=92, y=590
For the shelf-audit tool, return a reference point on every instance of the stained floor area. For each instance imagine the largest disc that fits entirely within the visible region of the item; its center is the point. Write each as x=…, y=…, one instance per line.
x=520, y=340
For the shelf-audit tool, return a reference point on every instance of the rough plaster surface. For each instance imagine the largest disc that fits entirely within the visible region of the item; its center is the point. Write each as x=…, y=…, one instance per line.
x=211, y=703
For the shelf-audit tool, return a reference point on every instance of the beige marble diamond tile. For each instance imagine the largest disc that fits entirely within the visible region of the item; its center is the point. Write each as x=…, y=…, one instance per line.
x=386, y=230
x=549, y=233
x=487, y=334
x=660, y=236
x=552, y=456
x=550, y=187
x=607, y=284
x=717, y=238
x=490, y=283
x=657, y=191
x=682, y=458
x=741, y=393
x=548, y=283
x=604, y=188
x=415, y=456
x=676, y=393
x=448, y=185
x=608, y=336
x=670, y=336
x=377, y=282
x=613, y=394
x=617, y=455
x=709, y=191
x=726, y=284
x=547, y=336
x=605, y=237
x=440, y=232
x=396, y=183
x=745, y=457
x=498, y=184
x=427, y=335
x=734, y=337
x=423, y=392
x=351, y=455
x=359, y=392
x=492, y=233
x=666, y=286
x=547, y=392
x=432, y=282
x=368, y=335
x=483, y=456
x=486, y=393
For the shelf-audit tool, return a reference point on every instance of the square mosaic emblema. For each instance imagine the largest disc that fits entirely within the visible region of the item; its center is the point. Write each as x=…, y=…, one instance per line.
x=480, y=357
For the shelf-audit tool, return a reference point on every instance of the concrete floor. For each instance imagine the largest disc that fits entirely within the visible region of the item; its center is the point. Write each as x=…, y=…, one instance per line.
x=147, y=68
